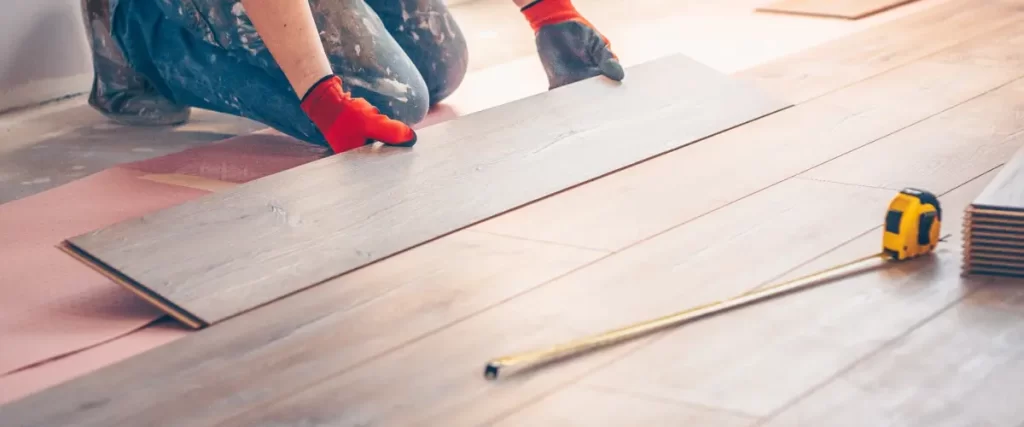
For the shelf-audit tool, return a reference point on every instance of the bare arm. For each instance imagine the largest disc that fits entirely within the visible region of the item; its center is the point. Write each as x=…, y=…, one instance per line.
x=291, y=36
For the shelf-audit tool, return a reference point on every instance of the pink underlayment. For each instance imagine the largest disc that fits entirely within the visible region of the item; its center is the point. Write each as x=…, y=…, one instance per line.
x=58, y=318
x=51, y=304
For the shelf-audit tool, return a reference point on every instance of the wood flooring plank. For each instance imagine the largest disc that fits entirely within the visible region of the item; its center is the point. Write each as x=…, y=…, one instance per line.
x=281, y=348
x=963, y=368
x=1006, y=192
x=792, y=221
x=683, y=185
x=847, y=60
x=948, y=148
x=238, y=249
x=844, y=9
x=758, y=359
x=591, y=407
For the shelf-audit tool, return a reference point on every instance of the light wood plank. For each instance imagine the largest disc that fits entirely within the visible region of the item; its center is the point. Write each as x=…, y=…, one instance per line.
x=229, y=252
x=276, y=350
x=634, y=204
x=758, y=359
x=949, y=148
x=844, y=9
x=1006, y=192
x=591, y=407
x=829, y=66
x=963, y=368
x=793, y=222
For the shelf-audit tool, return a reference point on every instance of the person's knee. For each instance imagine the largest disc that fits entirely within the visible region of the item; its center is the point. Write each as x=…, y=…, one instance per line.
x=406, y=99
x=445, y=71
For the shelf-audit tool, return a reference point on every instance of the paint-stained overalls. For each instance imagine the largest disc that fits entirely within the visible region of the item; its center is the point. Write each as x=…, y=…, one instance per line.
x=401, y=55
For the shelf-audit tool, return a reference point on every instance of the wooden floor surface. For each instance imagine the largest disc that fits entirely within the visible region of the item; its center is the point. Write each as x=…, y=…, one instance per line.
x=846, y=9
x=924, y=101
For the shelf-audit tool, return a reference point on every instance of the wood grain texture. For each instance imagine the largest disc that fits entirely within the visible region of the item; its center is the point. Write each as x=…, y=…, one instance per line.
x=279, y=349
x=945, y=150
x=769, y=150
x=1006, y=192
x=757, y=360
x=591, y=407
x=845, y=9
x=238, y=249
x=962, y=368
x=847, y=60
x=662, y=275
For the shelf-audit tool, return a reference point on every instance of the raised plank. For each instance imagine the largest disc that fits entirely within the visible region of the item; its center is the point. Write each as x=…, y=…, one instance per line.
x=1006, y=192
x=757, y=360
x=829, y=66
x=736, y=163
x=238, y=249
x=277, y=349
x=962, y=368
x=591, y=407
x=844, y=9
x=662, y=275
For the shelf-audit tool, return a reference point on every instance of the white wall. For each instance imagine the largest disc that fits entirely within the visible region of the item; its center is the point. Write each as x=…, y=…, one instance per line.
x=44, y=54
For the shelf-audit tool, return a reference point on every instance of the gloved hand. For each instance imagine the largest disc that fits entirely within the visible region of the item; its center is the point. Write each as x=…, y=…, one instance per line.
x=349, y=123
x=570, y=48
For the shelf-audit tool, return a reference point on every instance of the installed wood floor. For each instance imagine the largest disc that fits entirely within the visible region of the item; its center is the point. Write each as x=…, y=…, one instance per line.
x=845, y=9
x=931, y=100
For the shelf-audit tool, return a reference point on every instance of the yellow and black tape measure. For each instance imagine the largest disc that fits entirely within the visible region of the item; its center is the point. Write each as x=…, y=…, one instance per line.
x=912, y=224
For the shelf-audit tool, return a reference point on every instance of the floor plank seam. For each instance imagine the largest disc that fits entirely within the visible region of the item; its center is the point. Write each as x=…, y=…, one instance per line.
x=848, y=184
x=915, y=123
x=418, y=338
x=550, y=242
x=753, y=69
x=853, y=365
x=640, y=343
x=679, y=402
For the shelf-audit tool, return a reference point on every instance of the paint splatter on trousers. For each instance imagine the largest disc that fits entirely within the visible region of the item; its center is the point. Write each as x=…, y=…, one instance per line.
x=401, y=55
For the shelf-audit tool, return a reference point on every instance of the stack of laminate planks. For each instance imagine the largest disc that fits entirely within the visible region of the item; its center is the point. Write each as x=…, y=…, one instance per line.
x=994, y=224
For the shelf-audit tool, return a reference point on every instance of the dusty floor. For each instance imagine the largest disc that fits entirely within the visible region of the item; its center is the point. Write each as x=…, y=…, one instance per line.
x=56, y=143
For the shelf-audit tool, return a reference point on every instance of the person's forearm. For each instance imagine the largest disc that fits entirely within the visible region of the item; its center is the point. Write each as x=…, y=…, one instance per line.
x=290, y=34
x=522, y=3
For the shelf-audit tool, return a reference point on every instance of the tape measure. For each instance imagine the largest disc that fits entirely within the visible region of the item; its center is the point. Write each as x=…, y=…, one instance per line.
x=912, y=225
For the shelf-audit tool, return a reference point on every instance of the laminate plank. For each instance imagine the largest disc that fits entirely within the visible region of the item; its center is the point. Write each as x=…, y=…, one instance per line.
x=847, y=60
x=948, y=148
x=232, y=251
x=962, y=368
x=279, y=349
x=844, y=9
x=1007, y=189
x=590, y=407
x=741, y=161
x=792, y=221
x=757, y=360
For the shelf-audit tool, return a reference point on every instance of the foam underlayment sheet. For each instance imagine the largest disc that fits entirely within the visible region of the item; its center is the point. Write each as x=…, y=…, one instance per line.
x=50, y=306
x=59, y=319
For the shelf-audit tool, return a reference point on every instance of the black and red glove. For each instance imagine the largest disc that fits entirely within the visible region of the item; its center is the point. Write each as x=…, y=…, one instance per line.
x=348, y=123
x=570, y=47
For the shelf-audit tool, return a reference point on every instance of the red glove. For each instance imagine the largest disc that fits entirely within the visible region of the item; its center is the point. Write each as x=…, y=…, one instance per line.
x=349, y=123
x=570, y=47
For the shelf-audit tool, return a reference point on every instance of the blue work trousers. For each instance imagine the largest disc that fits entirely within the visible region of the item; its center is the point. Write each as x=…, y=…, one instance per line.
x=400, y=55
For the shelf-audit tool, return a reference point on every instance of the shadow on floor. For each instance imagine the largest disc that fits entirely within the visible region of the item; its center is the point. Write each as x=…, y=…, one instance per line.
x=78, y=142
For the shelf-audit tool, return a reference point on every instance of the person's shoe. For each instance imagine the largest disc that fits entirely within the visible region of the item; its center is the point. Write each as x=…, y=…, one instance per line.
x=119, y=92
x=137, y=104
